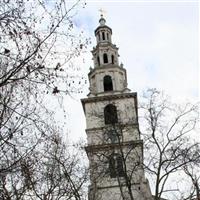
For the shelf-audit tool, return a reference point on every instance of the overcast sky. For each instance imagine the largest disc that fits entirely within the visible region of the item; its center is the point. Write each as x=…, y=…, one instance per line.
x=158, y=45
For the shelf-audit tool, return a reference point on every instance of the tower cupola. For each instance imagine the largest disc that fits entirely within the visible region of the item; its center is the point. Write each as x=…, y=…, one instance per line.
x=103, y=32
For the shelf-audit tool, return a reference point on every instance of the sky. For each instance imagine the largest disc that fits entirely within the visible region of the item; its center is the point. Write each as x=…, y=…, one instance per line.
x=158, y=45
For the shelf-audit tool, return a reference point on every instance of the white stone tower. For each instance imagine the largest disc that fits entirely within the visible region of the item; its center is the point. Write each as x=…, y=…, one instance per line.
x=115, y=150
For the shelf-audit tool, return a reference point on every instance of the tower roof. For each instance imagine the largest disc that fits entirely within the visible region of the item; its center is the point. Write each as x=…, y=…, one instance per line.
x=102, y=23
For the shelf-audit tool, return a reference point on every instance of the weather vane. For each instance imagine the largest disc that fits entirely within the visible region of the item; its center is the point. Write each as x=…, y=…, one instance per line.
x=102, y=11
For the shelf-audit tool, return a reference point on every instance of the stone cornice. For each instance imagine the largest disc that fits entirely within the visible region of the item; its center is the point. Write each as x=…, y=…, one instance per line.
x=110, y=126
x=102, y=27
x=108, y=66
x=109, y=97
x=100, y=147
x=102, y=45
x=123, y=185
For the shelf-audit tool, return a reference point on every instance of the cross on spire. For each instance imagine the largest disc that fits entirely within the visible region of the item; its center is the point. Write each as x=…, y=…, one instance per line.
x=103, y=12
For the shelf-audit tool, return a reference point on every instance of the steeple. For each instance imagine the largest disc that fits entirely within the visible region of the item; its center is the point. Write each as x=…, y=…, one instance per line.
x=107, y=71
x=114, y=147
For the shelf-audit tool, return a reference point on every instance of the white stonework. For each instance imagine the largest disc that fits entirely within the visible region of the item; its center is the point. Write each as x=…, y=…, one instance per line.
x=119, y=79
x=115, y=150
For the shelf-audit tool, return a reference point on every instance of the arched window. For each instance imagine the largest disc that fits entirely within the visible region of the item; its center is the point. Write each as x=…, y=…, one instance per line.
x=103, y=36
x=113, y=59
x=107, y=83
x=110, y=114
x=116, y=168
x=98, y=60
x=105, y=58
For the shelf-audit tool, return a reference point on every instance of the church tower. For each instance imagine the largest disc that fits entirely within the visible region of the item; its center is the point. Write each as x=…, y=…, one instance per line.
x=114, y=149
